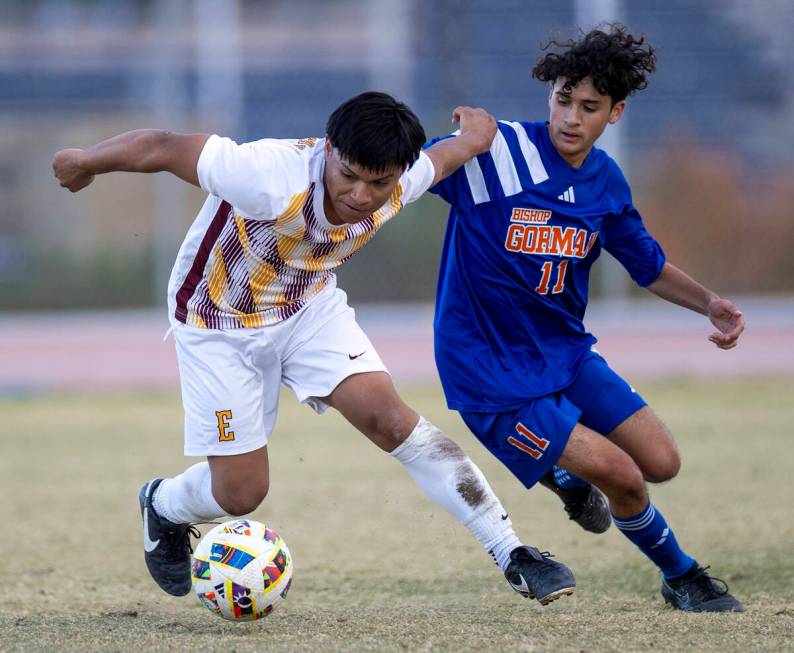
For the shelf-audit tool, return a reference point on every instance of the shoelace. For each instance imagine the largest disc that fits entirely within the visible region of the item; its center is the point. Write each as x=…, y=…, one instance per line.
x=706, y=583
x=195, y=532
x=545, y=570
x=176, y=550
x=543, y=554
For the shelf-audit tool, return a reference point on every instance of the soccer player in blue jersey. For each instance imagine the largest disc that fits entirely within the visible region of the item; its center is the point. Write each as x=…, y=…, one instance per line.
x=528, y=218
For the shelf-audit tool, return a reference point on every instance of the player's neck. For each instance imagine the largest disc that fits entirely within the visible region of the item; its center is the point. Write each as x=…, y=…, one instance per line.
x=574, y=160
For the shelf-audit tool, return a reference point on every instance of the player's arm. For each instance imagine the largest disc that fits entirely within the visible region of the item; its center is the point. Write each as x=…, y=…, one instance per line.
x=143, y=150
x=477, y=131
x=676, y=286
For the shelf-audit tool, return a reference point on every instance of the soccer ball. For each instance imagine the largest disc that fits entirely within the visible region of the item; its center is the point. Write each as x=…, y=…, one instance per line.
x=241, y=570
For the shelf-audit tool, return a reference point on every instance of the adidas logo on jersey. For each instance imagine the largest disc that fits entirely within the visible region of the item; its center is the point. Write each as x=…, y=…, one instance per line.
x=567, y=196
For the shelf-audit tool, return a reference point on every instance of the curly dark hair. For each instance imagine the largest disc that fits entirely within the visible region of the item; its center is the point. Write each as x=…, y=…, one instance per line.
x=615, y=61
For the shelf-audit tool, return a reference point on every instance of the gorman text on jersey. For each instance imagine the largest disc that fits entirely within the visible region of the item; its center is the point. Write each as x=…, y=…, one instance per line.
x=544, y=238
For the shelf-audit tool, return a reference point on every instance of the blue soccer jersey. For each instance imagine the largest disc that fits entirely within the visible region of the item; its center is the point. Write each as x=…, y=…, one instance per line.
x=524, y=229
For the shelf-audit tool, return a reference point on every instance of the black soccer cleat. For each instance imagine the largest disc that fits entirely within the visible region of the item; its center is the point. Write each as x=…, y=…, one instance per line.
x=166, y=546
x=696, y=591
x=535, y=576
x=584, y=505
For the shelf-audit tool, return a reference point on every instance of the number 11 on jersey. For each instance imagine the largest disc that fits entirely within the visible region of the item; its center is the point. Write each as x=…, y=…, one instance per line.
x=545, y=278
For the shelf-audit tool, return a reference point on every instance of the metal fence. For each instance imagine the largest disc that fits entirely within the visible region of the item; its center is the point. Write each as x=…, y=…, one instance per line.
x=707, y=146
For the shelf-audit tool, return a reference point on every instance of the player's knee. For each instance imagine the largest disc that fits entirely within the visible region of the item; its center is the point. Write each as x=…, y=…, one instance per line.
x=628, y=485
x=664, y=468
x=390, y=426
x=242, y=499
x=635, y=487
x=392, y=436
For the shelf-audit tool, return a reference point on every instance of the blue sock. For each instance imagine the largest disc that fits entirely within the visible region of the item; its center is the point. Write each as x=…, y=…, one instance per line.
x=565, y=480
x=650, y=534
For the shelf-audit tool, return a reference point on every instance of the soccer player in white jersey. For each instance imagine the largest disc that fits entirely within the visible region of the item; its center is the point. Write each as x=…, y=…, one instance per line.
x=253, y=303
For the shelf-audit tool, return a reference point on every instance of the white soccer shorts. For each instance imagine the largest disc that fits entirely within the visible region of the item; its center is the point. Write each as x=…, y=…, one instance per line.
x=231, y=377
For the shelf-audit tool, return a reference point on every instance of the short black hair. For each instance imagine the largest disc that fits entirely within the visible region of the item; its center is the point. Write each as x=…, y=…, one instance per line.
x=376, y=131
x=615, y=60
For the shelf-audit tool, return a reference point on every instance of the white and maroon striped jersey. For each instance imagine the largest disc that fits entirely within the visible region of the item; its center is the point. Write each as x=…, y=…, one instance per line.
x=261, y=246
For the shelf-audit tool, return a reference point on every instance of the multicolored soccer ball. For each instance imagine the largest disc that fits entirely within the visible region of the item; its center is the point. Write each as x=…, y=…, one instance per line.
x=241, y=570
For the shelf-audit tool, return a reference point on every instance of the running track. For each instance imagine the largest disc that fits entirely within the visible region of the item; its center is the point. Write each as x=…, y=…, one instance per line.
x=119, y=350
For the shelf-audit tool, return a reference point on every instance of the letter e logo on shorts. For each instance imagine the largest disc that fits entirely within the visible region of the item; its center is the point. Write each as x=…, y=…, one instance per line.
x=224, y=434
x=537, y=445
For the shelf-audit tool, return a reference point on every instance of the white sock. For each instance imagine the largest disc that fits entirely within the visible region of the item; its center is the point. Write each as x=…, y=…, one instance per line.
x=187, y=498
x=447, y=475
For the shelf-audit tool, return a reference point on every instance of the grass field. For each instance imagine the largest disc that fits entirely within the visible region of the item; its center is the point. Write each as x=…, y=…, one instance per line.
x=377, y=566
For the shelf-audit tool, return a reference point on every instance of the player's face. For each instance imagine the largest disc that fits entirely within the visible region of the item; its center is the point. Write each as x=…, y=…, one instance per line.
x=353, y=193
x=577, y=118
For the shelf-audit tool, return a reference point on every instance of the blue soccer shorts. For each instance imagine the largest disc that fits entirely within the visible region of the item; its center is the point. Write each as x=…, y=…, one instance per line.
x=530, y=439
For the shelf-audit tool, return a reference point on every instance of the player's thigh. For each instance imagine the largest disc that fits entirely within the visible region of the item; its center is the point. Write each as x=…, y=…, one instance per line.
x=329, y=360
x=240, y=482
x=604, y=397
x=610, y=406
x=527, y=440
x=592, y=457
x=230, y=384
x=648, y=441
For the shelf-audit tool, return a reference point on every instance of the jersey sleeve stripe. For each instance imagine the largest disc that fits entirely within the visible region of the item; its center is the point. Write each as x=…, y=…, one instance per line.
x=491, y=176
x=505, y=167
x=531, y=155
x=476, y=181
x=520, y=162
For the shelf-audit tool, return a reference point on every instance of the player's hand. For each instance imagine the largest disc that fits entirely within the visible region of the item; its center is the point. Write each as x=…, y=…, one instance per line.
x=69, y=172
x=476, y=124
x=729, y=320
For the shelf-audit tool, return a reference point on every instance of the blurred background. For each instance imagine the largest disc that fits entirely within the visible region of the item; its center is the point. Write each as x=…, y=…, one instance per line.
x=89, y=388
x=707, y=148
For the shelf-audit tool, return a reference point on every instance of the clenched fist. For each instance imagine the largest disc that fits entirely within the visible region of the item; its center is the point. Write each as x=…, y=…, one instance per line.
x=477, y=124
x=69, y=171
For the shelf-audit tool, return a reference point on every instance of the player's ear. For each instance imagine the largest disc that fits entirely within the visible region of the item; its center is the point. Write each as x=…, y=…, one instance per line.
x=617, y=111
x=328, y=148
